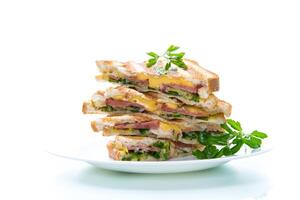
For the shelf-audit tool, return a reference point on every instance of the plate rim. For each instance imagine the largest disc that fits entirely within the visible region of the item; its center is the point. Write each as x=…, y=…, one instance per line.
x=168, y=162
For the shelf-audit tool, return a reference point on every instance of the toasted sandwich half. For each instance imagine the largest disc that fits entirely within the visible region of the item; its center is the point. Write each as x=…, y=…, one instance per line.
x=120, y=99
x=136, y=148
x=190, y=86
x=140, y=124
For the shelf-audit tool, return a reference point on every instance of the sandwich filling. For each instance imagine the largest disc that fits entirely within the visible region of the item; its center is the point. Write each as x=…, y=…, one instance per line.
x=174, y=87
x=163, y=130
x=157, y=150
x=205, y=137
x=152, y=128
x=170, y=110
x=124, y=99
x=116, y=104
x=133, y=148
x=188, y=111
x=165, y=109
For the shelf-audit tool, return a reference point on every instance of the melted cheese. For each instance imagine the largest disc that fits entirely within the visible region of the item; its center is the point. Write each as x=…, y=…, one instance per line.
x=193, y=109
x=101, y=77
x=107, y=73
x=166, y=127
x=112, y=130
x=172, y=105
x=157, y=81
x=121, y=148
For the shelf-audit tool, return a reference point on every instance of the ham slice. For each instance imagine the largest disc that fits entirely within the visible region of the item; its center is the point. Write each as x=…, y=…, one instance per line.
x=184, y=111
x=193, y=89
x=143, y=83
x=121, y=104
x=153, y=124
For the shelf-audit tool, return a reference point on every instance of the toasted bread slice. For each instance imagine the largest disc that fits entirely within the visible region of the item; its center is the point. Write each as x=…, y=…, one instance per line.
x=195, y=79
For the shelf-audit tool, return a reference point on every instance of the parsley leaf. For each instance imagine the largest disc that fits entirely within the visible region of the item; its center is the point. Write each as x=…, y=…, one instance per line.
x=259, y=134
x=252, y=142
x=234, y=124
x=227, y=143
x=238, y=145
x=172, y=48
x=170, y=56
x=213, y=139
x=199, y=154
x=210, y=151
x=151, y=62
x=178, y=62
x=152, y=54
x=168, y=65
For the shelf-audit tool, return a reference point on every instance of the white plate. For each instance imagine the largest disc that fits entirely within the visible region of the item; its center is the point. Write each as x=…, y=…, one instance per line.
x=94, y=152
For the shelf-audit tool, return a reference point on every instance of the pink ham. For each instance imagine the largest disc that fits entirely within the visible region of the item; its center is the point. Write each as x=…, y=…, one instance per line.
x=143, y=83
x=121, y=104
x=153, y=124
x=193, y=89
x=182, y=110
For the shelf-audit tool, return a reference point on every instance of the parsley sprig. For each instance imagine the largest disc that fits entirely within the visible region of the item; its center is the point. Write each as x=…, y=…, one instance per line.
x=170, y=55
x=229, y=142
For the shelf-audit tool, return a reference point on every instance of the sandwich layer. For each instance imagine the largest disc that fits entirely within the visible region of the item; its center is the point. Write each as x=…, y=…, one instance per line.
x=191, y=84
x=151, y=126
x=135, y=148
x=123, y=99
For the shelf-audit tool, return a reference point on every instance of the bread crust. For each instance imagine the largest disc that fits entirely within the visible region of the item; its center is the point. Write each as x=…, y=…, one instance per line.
x=84, y=107
x=113, y=153
x=198, y=72
x=94, y=126
x=225, y=107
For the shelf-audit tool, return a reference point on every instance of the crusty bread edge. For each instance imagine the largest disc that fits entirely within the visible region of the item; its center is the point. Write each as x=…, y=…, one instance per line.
x=213, y=85
x=94, y=126
x=112, y=152
x=212, y=81
x=85, y=107
x=225, y=107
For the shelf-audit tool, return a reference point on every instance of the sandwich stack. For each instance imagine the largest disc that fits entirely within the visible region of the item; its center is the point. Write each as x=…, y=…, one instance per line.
x=155, y=115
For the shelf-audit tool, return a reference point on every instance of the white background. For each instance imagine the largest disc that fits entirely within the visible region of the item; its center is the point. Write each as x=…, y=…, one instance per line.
x=47, y=66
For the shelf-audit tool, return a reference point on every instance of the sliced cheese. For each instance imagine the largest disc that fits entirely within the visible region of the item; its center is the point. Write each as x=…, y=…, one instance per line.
x=193, y=109
x=118, y=145
x=157, y=81
x=112, y=131
x=167, y=127
x=171, y=105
